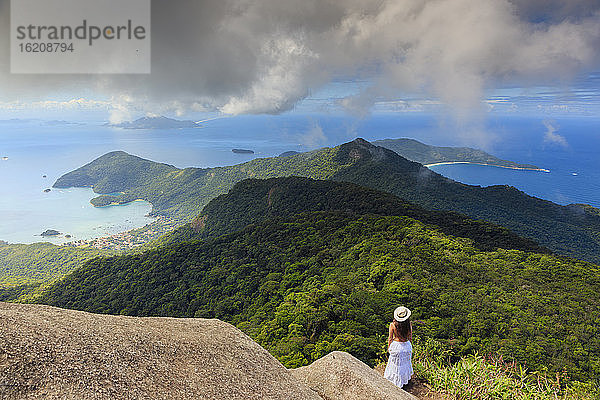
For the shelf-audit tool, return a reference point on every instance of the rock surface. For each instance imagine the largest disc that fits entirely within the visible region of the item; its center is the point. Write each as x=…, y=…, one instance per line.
x=51, y=353
x=339, y=375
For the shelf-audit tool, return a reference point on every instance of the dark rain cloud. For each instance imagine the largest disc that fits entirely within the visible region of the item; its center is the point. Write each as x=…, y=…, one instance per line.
x=263, y=56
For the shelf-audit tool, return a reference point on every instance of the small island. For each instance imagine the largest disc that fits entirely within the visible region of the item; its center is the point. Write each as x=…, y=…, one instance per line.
x=50, y=232
x=242, y=151
x=47, y=190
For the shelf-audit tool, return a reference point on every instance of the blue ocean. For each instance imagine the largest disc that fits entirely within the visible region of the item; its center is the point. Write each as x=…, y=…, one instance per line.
x=35, y=153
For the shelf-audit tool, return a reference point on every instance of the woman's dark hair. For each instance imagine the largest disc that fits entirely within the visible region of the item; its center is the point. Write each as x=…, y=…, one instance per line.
x=402, y=329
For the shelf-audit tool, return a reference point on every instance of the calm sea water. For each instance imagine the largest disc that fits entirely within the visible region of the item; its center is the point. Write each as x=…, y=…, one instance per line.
x=574, y=166
x=36, y=148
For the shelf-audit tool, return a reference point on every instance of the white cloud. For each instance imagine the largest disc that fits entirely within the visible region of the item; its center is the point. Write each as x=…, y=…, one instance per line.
x=314, y=137
x=263, y=56
x=550, y=136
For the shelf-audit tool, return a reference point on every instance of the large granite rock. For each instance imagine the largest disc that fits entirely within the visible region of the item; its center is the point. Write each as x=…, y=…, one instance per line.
x=340, y=376
x=51, y=353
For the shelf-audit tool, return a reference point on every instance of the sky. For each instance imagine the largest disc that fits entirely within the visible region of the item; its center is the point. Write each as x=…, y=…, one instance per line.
x=464, y=58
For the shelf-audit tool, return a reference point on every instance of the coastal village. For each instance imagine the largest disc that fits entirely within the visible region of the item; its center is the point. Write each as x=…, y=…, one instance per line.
x=132, y=238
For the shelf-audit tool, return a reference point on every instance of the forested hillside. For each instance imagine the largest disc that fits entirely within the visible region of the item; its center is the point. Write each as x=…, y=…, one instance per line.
x=427, y=154
x=305, y=285
x=571, y=230
x=254, y=200
x=29, y=265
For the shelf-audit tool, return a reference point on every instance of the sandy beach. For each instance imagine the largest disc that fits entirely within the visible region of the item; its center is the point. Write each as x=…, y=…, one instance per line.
x=489, y=165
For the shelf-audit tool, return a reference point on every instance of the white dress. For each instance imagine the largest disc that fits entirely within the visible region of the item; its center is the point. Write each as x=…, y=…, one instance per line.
x=399, y=367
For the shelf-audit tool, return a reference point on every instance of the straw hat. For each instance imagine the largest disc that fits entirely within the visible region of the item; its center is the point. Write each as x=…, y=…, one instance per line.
x=401, y=314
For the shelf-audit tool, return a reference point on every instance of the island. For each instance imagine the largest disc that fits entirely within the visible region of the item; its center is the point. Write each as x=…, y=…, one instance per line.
x=47, y=190
x=242, y=151
x=435, y=155
x=288, y=153
x=50, y=232
x=156, y=123
x=58, y=122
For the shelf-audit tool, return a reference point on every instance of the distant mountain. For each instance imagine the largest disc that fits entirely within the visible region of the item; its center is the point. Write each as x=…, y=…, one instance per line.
x=156, y=123
x=426, y=154
x=17, y=120
x=570, y=230
x=60, y=122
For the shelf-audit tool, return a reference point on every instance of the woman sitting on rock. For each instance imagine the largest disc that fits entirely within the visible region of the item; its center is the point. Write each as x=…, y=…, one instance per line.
x=399, y=367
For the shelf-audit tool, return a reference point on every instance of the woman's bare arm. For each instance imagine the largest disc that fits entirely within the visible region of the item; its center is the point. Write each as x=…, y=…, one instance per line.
x=391, y=334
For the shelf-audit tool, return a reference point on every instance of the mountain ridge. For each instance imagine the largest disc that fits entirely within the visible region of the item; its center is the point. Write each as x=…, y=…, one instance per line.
x=253, y=200
x=573, y=231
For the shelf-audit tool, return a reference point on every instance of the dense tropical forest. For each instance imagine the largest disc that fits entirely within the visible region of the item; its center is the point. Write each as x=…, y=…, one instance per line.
x=29, y=265
x=320, y=281
x=569, y=230
x=253, y=200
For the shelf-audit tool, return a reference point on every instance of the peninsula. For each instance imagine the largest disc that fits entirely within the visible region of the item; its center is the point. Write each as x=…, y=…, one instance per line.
x=435, y=155
x=524, y=168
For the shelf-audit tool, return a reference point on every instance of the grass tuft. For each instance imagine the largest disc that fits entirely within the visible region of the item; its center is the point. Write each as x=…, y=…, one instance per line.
x=477, y=377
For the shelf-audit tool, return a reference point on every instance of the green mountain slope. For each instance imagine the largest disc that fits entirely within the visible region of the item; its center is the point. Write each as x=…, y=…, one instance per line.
x=573, y=230
x=114, y=172
x=254, y=200
x=427, y=154
x=182, y=193
x=39, y=263
x=570, y=230
x=315, y=282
